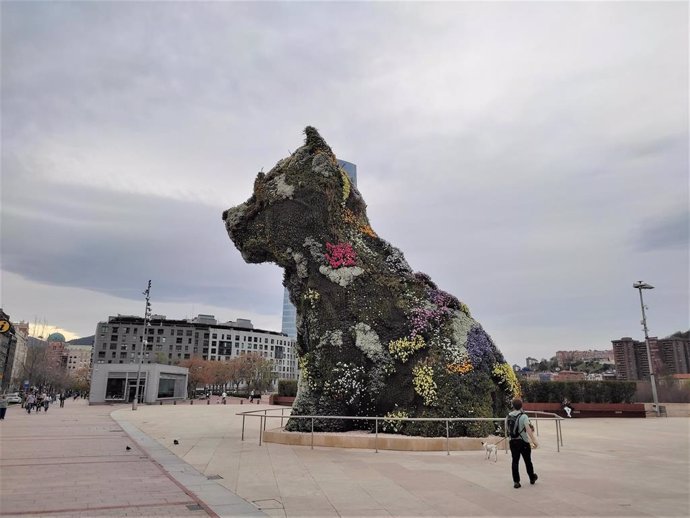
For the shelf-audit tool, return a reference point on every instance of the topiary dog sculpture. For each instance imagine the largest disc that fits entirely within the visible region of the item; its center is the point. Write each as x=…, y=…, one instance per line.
x=373, y=337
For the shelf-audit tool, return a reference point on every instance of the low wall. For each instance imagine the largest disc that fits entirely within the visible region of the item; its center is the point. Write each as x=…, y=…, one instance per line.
x=368, y=441
x=275, y=399
x=672, y=409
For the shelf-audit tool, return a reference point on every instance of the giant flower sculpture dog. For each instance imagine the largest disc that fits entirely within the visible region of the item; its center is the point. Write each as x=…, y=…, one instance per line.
x=374, y=337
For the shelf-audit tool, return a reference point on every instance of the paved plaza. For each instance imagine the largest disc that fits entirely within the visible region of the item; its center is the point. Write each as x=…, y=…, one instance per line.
x=74, y=462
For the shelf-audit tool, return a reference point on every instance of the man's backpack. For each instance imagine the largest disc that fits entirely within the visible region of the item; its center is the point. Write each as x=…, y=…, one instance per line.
x=513, y=425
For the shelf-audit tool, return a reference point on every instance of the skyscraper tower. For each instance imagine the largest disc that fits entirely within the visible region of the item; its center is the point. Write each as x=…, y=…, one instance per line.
x=289, y=326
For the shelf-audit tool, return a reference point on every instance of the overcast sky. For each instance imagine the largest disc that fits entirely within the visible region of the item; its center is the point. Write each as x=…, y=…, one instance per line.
x=531, y=157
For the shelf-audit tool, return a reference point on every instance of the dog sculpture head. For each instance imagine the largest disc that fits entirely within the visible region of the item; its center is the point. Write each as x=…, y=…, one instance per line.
x=307, y=193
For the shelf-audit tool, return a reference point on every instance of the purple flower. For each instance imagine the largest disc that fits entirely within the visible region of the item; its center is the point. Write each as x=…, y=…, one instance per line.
x=481, y=348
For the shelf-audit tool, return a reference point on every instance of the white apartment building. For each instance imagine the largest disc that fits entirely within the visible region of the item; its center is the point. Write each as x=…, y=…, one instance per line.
x=77, y=357
x=119, y=340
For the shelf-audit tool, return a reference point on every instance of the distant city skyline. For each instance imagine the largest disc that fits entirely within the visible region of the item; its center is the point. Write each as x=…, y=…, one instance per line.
x=532, y=158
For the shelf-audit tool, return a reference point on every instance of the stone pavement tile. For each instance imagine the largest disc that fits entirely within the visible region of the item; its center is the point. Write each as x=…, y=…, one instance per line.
x=308, y=506
x=236, y=510
x=363, y=513
x=77, y=458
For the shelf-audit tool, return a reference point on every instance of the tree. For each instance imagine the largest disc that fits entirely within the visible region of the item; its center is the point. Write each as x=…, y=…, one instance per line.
x=36, y=365
x=199, y=373
x=81, y=380
x=220, y=372
x=259, y=372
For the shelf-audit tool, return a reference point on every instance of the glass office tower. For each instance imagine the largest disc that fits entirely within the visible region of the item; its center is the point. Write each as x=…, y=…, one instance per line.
x=289, y=326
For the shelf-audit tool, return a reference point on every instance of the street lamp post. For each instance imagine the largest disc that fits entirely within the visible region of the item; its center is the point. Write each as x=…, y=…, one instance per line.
x=144, y=343
x=644, y=286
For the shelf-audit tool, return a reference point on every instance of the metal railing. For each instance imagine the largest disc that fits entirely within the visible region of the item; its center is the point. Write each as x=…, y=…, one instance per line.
x=263, y=416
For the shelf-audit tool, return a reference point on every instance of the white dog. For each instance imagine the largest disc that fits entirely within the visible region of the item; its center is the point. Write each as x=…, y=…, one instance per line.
x=490, y=448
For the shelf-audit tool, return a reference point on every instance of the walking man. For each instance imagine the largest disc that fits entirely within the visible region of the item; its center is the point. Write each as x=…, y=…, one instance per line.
x=30, y=402
x=521, y=435
x=3, y=406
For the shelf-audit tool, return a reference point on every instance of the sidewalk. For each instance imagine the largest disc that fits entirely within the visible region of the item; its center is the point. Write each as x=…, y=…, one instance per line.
x=607, y=467
x=73, y=461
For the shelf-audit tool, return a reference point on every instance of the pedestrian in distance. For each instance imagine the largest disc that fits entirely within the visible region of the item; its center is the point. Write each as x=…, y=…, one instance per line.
x=38, y=403
x=3, y=406
x=224, y=396
x=30, y=402
x=46, y=402
x=62, y=400
x=522, y=441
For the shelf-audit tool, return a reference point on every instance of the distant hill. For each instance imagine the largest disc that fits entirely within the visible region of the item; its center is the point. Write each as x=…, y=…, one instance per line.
x=86, y=340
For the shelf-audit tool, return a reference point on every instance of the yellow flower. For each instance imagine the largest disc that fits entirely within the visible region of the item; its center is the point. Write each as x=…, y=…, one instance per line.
x=346, y=185
x=403, y=348
x=424, y=383
x=506, y=378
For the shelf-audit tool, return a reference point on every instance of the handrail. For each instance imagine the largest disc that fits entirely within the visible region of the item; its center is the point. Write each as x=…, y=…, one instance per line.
x=538, y=415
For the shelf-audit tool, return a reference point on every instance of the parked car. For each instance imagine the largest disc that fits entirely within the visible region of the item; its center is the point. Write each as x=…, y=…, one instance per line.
x=13, y=398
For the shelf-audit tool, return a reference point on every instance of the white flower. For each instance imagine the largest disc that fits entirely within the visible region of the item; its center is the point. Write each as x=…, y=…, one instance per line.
x=368, y=341
x=341, y=276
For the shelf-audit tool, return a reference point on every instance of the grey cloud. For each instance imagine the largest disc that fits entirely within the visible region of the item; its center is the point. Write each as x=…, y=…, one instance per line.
x=671, y=231
x=503, y=147
x=113, y=242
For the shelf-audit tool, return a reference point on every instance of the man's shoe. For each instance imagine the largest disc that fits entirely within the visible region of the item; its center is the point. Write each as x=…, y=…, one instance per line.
x=517, y=485
x=533, y=479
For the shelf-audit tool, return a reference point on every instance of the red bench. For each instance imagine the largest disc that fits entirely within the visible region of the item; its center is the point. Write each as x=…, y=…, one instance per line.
x=591, y=409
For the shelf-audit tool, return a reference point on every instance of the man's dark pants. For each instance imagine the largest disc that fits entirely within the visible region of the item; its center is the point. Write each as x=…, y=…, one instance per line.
x=519, y=447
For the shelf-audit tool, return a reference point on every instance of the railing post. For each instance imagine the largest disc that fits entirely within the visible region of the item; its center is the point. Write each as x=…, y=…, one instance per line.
x=505, y=434
x=447, y=438
x=376, y=436
x=560, y=429
x=261, y=425
x=536, y=418
x=265, y=414
x=243, y=416
x=312, y=433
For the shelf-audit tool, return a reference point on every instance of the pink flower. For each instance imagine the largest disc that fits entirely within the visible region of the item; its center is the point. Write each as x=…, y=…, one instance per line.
x=340, y=255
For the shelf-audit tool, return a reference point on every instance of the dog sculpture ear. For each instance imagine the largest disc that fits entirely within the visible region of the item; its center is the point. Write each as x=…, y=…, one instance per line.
x=314, y=141
x=260, y=179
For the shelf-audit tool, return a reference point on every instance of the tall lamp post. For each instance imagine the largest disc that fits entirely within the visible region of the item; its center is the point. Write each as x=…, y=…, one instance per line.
x=644, y=286
x=144, y=342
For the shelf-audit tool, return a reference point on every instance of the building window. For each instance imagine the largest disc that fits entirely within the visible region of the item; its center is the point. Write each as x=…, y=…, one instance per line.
x=189, y=332
x=160, y=331
x=178, y=340
x=166, y=388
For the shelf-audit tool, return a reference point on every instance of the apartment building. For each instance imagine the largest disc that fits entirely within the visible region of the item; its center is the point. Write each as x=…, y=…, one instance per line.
x=77, y=357
x=670, y=355
x=169, y=341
